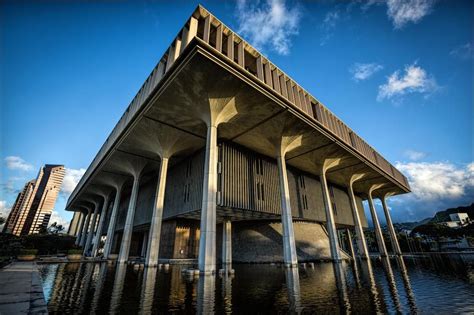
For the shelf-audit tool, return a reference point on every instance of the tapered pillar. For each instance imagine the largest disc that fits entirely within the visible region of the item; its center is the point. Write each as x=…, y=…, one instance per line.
x=227, y=244
x=113, y=219
x=359, y=231
x=331, y=224
x=90, y=235
x=289, y=248
x=391, y=229
x=80, y=228
x=153, y=247
x=349, y=241
x=98, y=236
x=378, y=230
x=128, y=228
x=207, y=241
x=85, y=229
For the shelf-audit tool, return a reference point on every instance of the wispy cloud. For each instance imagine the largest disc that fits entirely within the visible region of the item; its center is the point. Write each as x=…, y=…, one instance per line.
x=17, y=163
x=71, y=178
x=435, y=186
x=464, y=52
x=269, y=25
x=363, y=71
x=414, y=79
x=329, y=24
x=414, y=155
x=402, y=12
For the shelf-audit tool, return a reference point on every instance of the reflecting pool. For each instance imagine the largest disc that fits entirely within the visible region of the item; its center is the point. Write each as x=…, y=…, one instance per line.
x=434, y=285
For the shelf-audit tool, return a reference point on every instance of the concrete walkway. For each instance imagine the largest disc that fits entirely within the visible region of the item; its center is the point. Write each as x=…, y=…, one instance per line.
x=20, y=289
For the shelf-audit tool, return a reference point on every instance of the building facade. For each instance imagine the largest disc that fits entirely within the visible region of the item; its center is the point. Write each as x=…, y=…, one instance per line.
x=222, y=157
x=35, y=203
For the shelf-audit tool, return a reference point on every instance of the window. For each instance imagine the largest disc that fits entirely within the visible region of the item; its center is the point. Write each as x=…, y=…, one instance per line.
x=259, y=166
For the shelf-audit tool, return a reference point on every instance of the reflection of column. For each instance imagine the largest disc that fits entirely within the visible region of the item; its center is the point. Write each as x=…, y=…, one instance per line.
x=392, y=285
x=378, y=230
x=349, y=241
x=207, y=241
x=407, y=284
x=148, y=290
x=368, y=274
x=226, y=244
x=391, y=230
x=289, y=248
x=331, y=225
x=128, y=228
x=85, y=282
x=118, y=288
x=227, y=292
x=153, y=245
x=85, y=229
x=206, y=294
x=293, y=286
x=98, y=287
x=113, y=218
x=80, y=227
x=359, y=231
x=98, y=236
x=90, y=235
x=342, y=288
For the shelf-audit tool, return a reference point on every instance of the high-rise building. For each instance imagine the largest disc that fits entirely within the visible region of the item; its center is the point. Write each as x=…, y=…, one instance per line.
x=35, y=203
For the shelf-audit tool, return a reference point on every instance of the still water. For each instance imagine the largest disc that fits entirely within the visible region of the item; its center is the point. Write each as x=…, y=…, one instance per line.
x=435, y=285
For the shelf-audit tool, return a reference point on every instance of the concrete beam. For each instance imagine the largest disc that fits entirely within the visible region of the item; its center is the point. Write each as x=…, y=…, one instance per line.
x=375, y=220
x=359, y=231
x=391, y=229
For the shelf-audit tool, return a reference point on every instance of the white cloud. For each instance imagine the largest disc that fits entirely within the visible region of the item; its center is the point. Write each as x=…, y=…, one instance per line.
x=4, y=210
x=363, y=71
x=414, y=155
x=56, y=217
x=71, y=178
x=465, y=51
x=269, y=25
x=331, y=18
x=438, y=180
x=402, y=12
x=414, y=79
x=435, y=187
x=17, y=163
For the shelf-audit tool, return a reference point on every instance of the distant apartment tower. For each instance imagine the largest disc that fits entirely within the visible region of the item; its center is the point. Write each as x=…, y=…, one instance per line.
x=35, y=203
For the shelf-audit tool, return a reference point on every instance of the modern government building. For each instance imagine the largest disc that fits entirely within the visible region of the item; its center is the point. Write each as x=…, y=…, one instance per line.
x=221, y=158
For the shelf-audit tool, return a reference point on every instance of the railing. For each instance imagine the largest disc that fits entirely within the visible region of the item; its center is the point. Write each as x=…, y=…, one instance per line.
x=209, y=29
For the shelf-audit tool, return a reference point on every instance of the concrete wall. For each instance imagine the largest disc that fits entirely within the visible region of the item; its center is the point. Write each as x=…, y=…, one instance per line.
x=261, y=241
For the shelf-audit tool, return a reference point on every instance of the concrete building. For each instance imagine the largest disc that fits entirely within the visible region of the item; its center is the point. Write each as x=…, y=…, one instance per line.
x=35, y=203
x=222, y=157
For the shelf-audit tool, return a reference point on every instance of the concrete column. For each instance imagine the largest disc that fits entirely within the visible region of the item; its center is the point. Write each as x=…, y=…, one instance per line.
x=289, y=248
x=153, y=246
x=128, y=228
x=90, y=235
x=98, y=236
x=85, y=229
x=359, y=231
x=144, y=244
x=391, y=230
x=207, y=241
x=349, y=241
x=378, y=230
x=113, y=218
x=331, y=225
x=227, y=244
x=79, y=230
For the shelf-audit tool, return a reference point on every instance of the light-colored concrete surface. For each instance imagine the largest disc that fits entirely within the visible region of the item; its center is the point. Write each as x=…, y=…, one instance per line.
x=21, y=291
x=375, y=220
x=393, y=234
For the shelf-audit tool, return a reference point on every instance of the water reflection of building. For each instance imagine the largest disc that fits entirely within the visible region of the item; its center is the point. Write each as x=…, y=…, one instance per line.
x=216, y=134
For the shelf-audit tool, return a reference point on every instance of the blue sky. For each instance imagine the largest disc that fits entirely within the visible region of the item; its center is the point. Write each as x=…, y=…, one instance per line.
x=400, y=73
